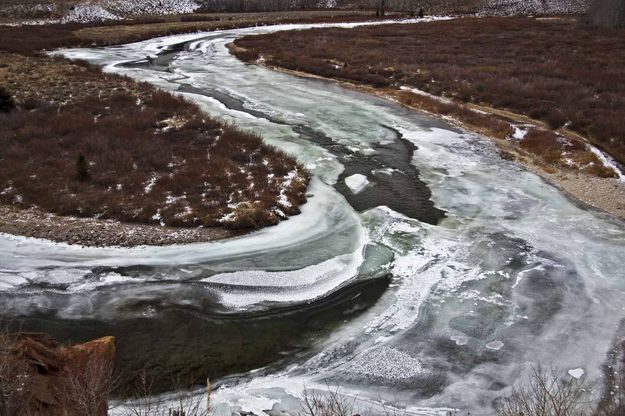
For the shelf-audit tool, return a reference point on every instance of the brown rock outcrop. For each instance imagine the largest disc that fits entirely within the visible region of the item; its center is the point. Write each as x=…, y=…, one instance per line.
x=38, y=376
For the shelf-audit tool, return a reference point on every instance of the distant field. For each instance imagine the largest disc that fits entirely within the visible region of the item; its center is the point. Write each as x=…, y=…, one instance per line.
x=551, y=70
x=32, y=39
x=134, y=8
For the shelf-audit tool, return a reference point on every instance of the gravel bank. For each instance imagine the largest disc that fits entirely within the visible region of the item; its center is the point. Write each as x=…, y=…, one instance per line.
x=99, y=233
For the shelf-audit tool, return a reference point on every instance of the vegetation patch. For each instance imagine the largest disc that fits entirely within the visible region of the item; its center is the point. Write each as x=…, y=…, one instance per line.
x=31, y=39
x=80, y=143
x=557, y=71
x=86, y=144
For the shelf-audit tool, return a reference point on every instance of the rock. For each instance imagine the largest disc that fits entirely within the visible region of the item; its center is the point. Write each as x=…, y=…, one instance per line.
x=52, y=379
x=78, y=356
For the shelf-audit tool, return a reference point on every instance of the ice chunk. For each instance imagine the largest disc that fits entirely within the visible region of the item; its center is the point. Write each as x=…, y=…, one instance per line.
x=459, y=339
x=576, y=372
x=494, y=345
x=356, y=183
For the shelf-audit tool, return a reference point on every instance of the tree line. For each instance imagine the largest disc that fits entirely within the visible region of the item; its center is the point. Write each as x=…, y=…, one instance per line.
x=233, y=6
x=609, y=14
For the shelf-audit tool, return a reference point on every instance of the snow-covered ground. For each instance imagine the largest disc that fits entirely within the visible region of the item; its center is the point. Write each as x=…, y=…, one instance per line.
x=138, y=7
x=533, y=7
x=86, y=11
x=120, y=9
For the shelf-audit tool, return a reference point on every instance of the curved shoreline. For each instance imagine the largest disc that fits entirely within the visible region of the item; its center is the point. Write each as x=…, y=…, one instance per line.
x=101, y=233
x=604, y=194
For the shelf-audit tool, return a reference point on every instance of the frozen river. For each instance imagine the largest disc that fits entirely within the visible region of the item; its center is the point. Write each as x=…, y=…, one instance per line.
x=424, y=270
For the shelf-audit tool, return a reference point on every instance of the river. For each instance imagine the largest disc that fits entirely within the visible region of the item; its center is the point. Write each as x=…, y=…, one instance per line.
x=437, y=286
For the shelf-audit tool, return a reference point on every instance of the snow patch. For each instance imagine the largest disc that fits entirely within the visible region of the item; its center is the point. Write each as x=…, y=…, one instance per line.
x=533, y=7
x=425, y=94
x=385, y=171
x=607, y=161
x=158, y=7
x=170, y=199
x=86, y=13
x=326, y=4
x=283, y=200
x=520, y=131
x=149, y=184
x=158, y=217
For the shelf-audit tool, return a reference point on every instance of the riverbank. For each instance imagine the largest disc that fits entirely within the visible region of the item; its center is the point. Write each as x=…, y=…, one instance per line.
x=147, y=190
x=32, y=39
x=555, y=149
x=101, y=233
x=80, y=143
x=604, y=193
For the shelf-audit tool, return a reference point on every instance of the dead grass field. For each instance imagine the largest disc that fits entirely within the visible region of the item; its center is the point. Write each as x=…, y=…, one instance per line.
x=150, y=157
x=555, y=71
x=30, y=40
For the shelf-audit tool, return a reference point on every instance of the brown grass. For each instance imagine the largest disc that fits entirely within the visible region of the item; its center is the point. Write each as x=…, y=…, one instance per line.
x=204, y=173
x=132, y=135
x=487, y=123
x=30, y=40
x=555, y=71
x=38, y=376
x=198, y=168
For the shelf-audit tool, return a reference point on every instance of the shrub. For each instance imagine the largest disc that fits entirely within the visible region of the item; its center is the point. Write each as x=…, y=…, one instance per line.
x=82, y=168
x=246, y=217
x=31, y=103
x=194, y=163
x=555, y=119
x=6, y=101
x=557, y=72
x=183, y=402
x=543, y=143
x=545, y=394
x=609, y=14
x=14, y=389
x=330, y=403
x=199, y=18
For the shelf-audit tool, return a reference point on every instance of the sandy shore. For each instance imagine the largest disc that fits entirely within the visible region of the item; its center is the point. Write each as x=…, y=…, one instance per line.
x=94, y=232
